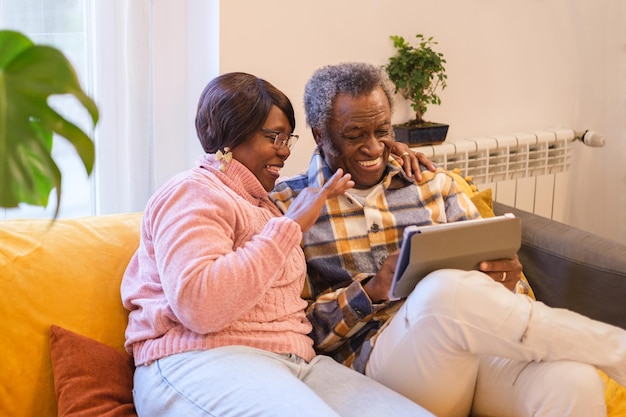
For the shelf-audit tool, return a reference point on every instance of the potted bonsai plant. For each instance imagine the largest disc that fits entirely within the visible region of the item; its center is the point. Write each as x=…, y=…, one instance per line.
x=29, y=74
x=418, y=73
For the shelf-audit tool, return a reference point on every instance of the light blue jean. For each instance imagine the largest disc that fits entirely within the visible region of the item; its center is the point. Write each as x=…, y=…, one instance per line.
x=241, y=381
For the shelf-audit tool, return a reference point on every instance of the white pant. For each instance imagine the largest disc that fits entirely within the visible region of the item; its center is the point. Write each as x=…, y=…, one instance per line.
x=240, y=381
x=463, y=343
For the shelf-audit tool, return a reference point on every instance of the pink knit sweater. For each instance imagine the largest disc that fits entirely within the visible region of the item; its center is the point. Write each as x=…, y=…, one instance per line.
x=217, y=265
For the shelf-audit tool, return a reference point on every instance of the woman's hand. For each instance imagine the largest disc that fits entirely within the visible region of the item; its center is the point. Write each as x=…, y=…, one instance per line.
x=410, y=160
x=505, y=271
x=306, y=208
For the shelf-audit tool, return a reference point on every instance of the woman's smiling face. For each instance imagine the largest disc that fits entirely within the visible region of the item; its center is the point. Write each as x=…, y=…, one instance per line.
x=260, y=155
x=360, y=137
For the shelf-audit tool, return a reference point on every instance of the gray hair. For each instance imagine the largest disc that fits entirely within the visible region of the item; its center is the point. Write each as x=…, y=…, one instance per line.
x=354, y=78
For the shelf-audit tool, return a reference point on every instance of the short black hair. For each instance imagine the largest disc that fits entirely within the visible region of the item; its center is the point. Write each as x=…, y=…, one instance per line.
x=234, y=106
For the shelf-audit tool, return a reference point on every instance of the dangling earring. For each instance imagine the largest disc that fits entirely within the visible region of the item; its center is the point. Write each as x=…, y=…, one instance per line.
x=225, y=157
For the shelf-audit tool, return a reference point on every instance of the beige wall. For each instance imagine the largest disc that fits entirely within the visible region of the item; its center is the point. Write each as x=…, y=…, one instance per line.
x=512, y=65
x=509, y=62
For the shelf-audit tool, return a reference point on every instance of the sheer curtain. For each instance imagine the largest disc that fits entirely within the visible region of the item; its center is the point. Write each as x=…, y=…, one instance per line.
x=151, y=59
x=598, y=178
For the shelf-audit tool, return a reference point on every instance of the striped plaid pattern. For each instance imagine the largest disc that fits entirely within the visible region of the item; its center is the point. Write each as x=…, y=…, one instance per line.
x=349, y=243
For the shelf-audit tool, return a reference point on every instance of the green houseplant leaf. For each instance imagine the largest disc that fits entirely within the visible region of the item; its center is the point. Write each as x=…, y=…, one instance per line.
x=29, y=74
x=417, y=73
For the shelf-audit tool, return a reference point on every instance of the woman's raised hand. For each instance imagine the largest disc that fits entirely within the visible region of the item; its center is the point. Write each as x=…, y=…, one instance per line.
x=306, y=208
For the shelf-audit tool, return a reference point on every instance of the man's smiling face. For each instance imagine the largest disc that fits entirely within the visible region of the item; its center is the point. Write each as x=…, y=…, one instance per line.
x=360, y=137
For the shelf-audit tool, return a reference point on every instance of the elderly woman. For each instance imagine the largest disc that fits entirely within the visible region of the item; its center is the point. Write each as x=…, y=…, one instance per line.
x=217, y=324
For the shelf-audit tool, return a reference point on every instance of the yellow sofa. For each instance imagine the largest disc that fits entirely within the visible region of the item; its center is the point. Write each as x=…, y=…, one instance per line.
x=67, y=274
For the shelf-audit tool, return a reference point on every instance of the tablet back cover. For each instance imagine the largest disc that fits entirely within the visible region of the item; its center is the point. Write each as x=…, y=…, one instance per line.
x=459, y=245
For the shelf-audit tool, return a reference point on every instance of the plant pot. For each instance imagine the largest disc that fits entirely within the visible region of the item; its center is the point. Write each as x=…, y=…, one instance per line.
x=427, y=133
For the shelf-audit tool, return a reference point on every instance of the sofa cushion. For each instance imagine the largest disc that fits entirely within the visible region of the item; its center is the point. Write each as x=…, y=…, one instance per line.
x=90, y=378
x=483, y=202
x=66, y=273
x=615, y=397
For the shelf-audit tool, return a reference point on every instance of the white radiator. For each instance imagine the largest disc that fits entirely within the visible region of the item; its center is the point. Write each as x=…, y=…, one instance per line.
x=526, y=170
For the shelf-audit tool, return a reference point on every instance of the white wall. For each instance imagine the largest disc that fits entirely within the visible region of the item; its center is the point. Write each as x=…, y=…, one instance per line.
x=512, y=65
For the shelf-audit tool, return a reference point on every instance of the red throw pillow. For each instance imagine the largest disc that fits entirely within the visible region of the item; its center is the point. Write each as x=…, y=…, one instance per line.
x=90, y=378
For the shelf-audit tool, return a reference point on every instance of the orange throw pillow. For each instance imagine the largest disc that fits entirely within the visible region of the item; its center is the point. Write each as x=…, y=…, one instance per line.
x=90, y=378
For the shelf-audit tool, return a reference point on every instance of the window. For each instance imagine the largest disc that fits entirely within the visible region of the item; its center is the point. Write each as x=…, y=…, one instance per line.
x=62, y=24
x=144, y=63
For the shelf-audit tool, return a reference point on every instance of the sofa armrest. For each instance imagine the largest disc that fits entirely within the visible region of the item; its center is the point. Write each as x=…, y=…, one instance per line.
x=570, y=268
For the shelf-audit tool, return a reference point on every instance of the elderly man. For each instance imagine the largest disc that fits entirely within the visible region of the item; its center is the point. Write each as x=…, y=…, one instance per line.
x=463, y=341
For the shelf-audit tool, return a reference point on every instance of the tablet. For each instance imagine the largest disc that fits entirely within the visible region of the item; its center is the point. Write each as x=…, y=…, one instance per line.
x=457, y=245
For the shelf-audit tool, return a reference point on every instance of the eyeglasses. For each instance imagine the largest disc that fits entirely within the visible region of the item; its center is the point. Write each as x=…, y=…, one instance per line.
x=281, y=139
